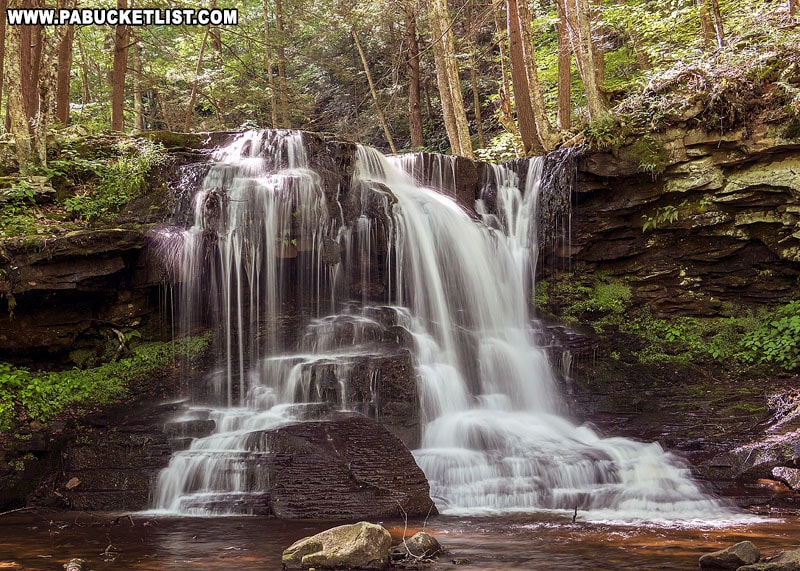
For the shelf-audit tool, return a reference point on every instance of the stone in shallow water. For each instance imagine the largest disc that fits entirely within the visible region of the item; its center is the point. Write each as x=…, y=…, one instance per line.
x=421, y=545
x=360, y=545
x=786, y=561
x=733, y=557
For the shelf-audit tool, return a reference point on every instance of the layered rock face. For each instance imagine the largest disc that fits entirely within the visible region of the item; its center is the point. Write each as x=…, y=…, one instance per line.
x=721, y=223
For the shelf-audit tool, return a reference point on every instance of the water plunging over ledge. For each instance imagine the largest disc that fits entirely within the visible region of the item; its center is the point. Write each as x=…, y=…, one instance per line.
x=493, y=437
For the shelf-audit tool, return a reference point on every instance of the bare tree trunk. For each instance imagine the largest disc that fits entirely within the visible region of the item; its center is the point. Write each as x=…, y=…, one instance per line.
x=15, y=102
x=473, y=78
x=374, y=93
x=63, y=81
x=506, y=115
x=579, y=24
x=706, y=25
x=718, y=23
x=187, y=124
x=792, y=7
x=121, y=39
x=564, y=71
x=522, y=98
x=448, y=79
x=138, y=106
x=36, y=41
x=544, y=129
x=414, y=112
x=3, y=6
x=273, y=100
x=283, y=94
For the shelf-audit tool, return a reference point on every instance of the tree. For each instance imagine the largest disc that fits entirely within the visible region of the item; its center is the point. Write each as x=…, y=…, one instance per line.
x=30, y=97
x=374, y=94
x=564, y=71
x=531, y=141
x=119, y=72
x=412, y=58
x=64, y=73
x=283, y=92
x=447, y=78
x=578, y=16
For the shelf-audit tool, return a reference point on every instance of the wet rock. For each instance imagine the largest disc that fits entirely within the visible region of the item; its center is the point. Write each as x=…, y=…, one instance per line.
x=786, y=561
x=357, y=546
x=368, y=472
x=11, y=566
x=789, y=476
x=757, y=459
x=733, y=557
x=421, y=545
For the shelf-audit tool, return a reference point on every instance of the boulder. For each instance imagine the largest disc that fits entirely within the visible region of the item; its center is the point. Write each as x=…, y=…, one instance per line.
x=421, y=545
x=360, y=545
x=789, y=476
x=786, y=561
x=368, y=472
x=733, y=557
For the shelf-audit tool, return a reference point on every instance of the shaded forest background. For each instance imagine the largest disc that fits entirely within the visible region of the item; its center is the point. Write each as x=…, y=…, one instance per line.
x=472, y=77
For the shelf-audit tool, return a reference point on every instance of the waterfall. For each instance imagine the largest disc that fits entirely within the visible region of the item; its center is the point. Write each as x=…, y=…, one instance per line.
x=493, y=439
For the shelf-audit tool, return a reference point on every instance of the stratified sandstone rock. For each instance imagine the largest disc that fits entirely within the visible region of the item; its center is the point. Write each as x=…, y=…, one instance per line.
x=347, y=467
x=358, y=546
x=789, y=476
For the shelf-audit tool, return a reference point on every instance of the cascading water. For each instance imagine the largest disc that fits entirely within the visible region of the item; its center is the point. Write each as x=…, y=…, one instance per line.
x=493, y=438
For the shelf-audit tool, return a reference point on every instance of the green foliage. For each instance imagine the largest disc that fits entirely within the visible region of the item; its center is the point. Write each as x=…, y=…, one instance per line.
x=651, y=157
x=777, y=340
x=119, y=181
x=606, y=133
x=503, y=147
x=17, y=209
x=41, y=395
x=663, y=215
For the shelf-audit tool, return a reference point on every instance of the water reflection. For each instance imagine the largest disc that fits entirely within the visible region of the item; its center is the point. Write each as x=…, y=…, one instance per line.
x=45, y=541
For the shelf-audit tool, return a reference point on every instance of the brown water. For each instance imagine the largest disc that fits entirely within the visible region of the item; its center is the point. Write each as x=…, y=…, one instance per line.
x=45, y=541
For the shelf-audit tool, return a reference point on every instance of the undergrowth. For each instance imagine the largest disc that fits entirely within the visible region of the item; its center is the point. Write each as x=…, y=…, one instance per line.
x=27, y=395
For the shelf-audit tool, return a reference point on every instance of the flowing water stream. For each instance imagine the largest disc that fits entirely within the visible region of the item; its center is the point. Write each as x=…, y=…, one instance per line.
x=494, y=437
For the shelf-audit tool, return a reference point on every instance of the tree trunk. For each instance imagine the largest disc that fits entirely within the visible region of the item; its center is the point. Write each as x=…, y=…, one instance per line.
x=506, y=115
x=273, y=100
x=522, y=97
x=792, y=7
x=564, y=71
x=473, y=78
x=283, y=94
x=138, y=105
x=448, y=79
x=187, y=124
x=579, y=24
x=15, y=102
x=544, y=129
x=36, y=40
x=378, y=109
x=718, y=23
x=119, y=72
x=63, y=80
x=3, y=6
x=706, y=25
x=414, y=112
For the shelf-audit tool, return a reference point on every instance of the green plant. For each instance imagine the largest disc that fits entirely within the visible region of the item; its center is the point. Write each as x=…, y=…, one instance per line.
x=17, y=208
x=777, y=340
x=119, y=181
x=663, y=215
x=605, y=133
x=42, y=395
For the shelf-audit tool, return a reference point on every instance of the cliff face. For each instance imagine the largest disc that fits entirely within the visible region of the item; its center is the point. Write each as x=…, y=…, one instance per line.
x=721, y=223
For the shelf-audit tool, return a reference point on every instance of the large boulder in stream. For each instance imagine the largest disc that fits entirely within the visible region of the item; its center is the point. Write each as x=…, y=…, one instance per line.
x=360, y=545
x=733, y=557
x=345, y=467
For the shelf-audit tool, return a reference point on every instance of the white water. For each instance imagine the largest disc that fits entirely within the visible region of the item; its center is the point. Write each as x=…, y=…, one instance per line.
x=493, y=437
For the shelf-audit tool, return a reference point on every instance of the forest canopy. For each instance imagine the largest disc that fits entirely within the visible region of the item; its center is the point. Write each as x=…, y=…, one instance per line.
x=496, y=79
